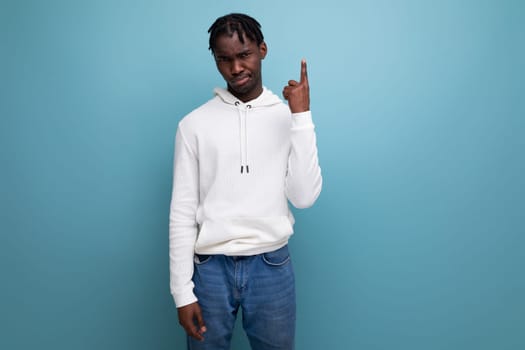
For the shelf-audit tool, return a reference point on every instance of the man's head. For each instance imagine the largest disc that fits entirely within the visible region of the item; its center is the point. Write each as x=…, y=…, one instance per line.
x=238, y=46
x=245, y=26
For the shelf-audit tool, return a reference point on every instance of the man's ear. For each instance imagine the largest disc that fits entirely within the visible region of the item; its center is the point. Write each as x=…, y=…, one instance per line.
x=263, y=50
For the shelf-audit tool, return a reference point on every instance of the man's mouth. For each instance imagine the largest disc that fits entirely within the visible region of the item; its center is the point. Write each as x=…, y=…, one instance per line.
x=240, y=81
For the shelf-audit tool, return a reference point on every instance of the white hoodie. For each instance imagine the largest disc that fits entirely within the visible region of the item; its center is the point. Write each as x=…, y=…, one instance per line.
x=236, y=166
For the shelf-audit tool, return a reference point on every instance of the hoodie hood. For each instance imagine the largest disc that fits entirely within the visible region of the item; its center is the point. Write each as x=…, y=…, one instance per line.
x=265, y=99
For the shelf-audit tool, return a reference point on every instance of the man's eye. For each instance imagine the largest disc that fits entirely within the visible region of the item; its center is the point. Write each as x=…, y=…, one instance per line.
x=244, y=54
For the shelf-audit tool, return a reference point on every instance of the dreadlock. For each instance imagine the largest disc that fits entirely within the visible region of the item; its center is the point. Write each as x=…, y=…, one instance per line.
x=244, y=25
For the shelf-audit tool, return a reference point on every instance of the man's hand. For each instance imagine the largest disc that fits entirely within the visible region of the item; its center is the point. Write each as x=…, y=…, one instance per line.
x=298, y=93
x=190, y=318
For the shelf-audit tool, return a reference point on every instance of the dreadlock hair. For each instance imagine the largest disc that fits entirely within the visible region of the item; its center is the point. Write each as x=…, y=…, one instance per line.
x=244, y=25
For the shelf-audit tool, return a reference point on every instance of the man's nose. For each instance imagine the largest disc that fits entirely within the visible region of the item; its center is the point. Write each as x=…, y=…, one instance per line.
x=236, y=67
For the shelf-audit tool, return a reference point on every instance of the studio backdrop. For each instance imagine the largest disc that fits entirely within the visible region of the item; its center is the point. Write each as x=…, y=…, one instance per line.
x=417, y=239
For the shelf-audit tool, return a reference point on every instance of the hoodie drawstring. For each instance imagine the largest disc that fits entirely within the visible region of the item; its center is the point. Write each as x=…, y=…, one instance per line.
x=265, y=100
x=243, y=136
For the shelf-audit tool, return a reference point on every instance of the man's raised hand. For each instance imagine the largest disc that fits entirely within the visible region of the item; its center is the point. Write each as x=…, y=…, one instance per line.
x=298, y=93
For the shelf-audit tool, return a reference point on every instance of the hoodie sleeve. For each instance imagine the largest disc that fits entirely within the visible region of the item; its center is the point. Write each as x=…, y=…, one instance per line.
x=182, y=221
x=303, y=181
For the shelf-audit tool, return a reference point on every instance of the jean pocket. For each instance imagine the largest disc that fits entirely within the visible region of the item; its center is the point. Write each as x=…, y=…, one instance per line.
x=200, y=259
x=278, y=257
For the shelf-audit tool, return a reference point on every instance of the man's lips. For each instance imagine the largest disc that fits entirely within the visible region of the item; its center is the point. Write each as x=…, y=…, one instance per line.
x=239, y=81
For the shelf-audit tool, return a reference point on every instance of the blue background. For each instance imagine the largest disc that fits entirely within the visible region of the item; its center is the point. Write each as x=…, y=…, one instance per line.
x=415, y=243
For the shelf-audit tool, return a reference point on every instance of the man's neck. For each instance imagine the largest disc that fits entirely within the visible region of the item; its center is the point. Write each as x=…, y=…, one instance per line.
x=252, y=95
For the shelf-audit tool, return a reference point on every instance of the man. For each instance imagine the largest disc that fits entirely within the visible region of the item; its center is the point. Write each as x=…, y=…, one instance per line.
x=239, y=158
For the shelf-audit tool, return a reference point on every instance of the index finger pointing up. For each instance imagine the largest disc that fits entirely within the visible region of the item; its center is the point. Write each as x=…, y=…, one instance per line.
x=304, y=74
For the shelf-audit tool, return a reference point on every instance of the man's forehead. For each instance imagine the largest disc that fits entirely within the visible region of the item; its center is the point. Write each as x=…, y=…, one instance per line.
x=231, y=42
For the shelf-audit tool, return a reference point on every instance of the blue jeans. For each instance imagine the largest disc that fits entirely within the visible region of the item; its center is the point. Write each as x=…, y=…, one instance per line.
x=263, y=286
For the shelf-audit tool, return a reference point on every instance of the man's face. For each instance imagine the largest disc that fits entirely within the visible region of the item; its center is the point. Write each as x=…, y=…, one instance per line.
x=240, y=65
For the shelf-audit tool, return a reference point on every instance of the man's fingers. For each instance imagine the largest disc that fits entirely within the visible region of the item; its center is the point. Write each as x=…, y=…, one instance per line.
x=295, y=86
x=190, y=317
x=195, y=333
x=192, y=331
x=200, y=322
x=304, y=73
x=286, y=92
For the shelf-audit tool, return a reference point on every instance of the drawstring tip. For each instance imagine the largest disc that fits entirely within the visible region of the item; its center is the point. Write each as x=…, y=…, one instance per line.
x=247, y=169
x=242, y=168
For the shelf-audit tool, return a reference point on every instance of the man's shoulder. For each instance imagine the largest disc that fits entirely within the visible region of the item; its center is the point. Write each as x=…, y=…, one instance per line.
x=203, y=109
x=202, y=112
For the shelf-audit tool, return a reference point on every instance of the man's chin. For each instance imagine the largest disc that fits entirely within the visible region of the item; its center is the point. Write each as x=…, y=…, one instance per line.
x=239, y=90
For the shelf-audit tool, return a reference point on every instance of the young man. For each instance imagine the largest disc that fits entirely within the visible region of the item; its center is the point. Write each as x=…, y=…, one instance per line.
x=239, y=158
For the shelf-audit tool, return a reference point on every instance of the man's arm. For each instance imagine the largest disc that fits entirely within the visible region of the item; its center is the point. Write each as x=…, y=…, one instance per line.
x=303, y=181
x=182, y=236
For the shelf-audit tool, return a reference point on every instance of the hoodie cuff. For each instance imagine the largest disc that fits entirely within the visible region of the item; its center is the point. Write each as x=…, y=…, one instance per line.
x=302, y=120
x=183, y=299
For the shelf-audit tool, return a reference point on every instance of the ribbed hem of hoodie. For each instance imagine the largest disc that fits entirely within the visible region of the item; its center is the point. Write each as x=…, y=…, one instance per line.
x=302, y=120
